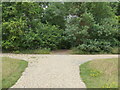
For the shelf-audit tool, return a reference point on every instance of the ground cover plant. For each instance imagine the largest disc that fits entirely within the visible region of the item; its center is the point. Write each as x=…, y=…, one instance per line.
x=11, y=71
x=35, y=51
x=102, y=73
x=31, y=25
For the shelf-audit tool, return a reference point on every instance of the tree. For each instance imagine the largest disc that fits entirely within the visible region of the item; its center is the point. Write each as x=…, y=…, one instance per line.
x=18, y=19
x=55, y=14
x=23, y=29
x=90, y=24
x=60, y=25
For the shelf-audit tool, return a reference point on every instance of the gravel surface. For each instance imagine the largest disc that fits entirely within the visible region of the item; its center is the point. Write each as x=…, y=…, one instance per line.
x=53, y=71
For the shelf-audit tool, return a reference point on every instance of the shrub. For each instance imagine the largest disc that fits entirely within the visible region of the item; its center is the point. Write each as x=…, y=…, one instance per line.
x=75, y=33
x=57, y=26
x=94, y=46
x=44, y=36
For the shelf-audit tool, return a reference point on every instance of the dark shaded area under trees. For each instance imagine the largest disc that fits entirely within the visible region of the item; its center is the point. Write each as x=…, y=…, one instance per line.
x=90, y=27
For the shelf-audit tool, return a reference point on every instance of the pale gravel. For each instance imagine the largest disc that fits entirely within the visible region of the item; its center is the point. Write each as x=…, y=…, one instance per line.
x=53, y=71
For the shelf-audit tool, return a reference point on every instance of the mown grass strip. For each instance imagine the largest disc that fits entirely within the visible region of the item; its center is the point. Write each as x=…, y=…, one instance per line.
x=101, y=73
x=11, y=71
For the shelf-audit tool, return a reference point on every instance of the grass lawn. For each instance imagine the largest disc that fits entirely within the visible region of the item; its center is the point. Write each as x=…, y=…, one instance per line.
x=102, y=73
x=11, y=71
x=30, y=51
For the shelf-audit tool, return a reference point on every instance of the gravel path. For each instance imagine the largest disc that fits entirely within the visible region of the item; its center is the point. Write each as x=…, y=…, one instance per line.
x=53, y=71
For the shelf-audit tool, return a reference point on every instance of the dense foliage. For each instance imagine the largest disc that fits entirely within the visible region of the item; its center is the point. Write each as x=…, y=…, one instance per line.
x=89, y=27
x=22, y=28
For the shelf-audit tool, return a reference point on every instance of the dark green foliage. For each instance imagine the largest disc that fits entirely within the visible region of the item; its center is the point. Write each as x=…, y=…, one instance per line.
x=77, y=28
x=22, y=28
x=94, y=29
x=90, y=27
x=45, y=35
x=18, y=18
x=55, y=14
x=95, y=46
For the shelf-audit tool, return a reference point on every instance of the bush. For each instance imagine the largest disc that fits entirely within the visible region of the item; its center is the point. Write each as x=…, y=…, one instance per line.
x=75, y=33
x=46, y=36
x=22, y=28
x=93, y=46
x=12, y=34
x=30, y=26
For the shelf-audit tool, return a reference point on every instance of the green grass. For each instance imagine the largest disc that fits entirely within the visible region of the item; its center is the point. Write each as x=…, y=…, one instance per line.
x=36, y=51
x=115, y=50
x=11, y=71
x=101, y=73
